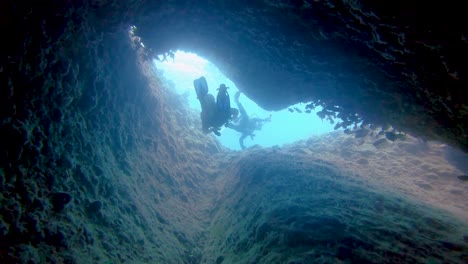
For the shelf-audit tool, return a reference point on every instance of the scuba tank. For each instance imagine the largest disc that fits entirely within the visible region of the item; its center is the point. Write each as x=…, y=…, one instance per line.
x=223, y=102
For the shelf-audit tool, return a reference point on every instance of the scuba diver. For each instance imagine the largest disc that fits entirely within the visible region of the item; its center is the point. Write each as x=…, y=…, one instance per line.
x=246, y=125
x=214, y=114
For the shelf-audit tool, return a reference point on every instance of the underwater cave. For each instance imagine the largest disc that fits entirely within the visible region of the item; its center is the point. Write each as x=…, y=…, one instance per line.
x=103, y=161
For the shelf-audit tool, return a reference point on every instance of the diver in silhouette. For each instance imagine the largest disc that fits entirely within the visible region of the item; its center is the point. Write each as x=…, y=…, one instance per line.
x=217, y=113
x=246, y=125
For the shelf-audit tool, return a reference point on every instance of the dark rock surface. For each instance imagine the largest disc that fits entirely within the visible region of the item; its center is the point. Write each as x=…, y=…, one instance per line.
x=389, y=62
x=81, y=115
x=60, y=200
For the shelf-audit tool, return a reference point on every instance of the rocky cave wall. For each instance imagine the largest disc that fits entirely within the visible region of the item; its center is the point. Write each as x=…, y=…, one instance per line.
x=293, y=205
x=93, y=160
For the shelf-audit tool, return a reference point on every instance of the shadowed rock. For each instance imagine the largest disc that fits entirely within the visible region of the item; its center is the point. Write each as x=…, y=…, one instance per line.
x=60, y=200
x=463, y=177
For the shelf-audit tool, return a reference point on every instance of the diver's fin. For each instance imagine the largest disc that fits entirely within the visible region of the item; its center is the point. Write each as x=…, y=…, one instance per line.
x=201, y=87
x=236, y=96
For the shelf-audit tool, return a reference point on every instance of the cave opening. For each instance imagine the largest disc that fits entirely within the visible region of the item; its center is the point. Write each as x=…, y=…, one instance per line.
x=287, y=126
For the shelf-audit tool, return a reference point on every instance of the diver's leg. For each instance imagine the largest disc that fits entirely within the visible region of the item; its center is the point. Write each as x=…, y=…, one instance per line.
x=235, y=127
x=241, y=141
x=244, y=118
x=242, y=111
x=207, y=103
x=207, y=113
x=236, y=97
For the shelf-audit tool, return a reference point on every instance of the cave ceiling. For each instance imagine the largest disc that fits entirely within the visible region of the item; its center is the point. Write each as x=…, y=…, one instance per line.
x=389, y=62
x=385, y=63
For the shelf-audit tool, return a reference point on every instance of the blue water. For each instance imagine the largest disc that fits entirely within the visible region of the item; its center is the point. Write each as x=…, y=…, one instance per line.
x=285, y=126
